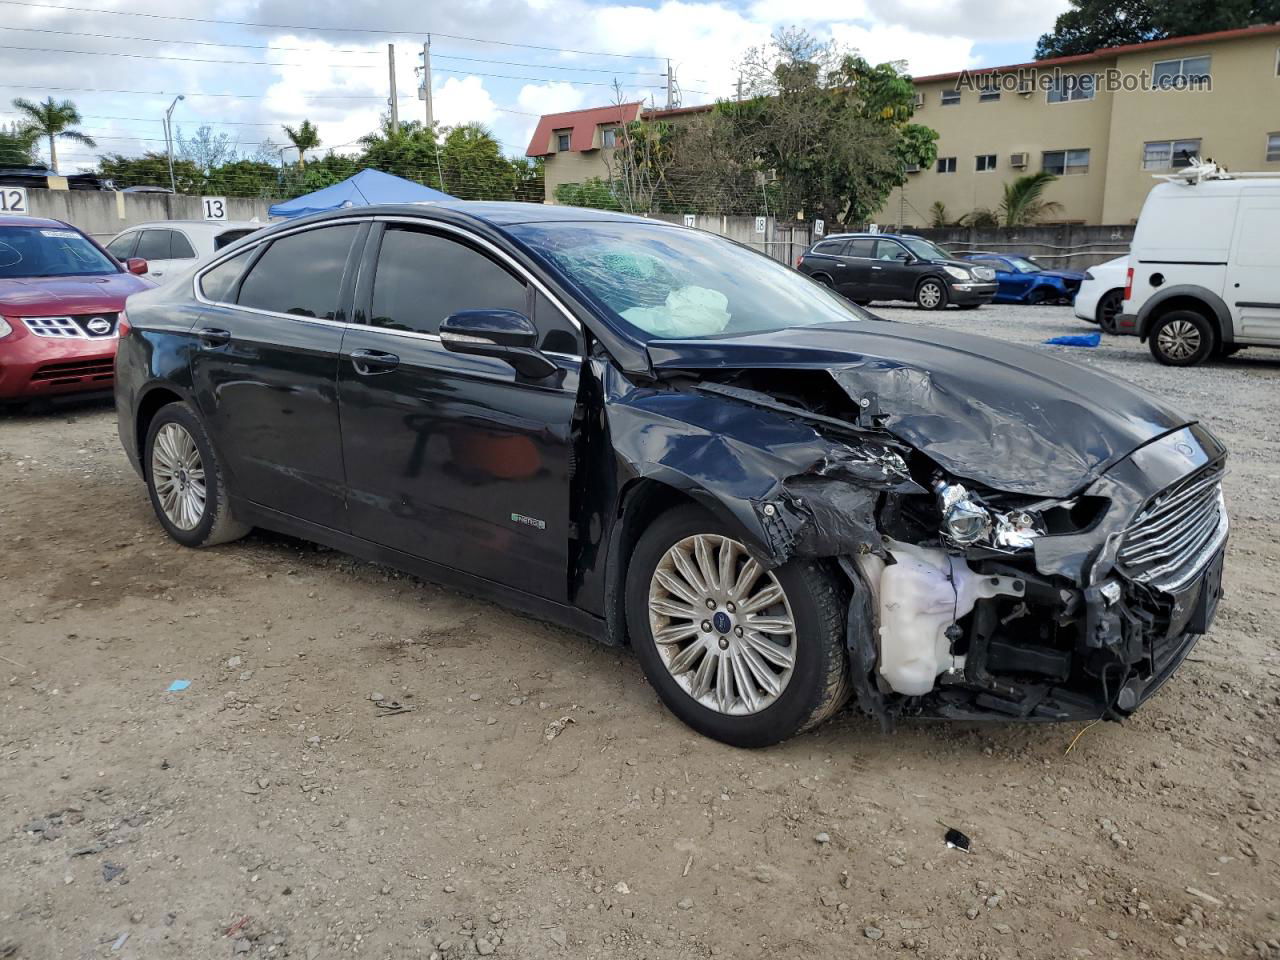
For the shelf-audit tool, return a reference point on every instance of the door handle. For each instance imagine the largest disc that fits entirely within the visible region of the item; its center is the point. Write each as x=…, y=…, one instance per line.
x=876, y=268
x=369, y=363
x=214, y=337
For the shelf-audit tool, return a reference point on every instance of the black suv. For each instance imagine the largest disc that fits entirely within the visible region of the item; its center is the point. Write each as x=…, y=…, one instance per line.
x=659, y=437
x=880, y=266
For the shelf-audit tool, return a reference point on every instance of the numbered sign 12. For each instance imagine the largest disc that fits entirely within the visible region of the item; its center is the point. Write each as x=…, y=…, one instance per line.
x=215, y=208
x=13, y=200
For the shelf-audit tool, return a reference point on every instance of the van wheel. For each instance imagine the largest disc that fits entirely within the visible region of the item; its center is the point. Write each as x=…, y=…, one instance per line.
x=931, y=295
x=746, y=655
x=1182, y=338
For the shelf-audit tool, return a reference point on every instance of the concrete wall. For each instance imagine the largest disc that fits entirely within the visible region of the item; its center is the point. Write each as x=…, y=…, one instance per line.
x=1065, y=247
x=103, y=213
x=783, y=242
x=574, y=167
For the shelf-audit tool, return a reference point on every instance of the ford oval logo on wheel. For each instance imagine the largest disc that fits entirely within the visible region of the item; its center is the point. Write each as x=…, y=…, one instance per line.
x=98, y=326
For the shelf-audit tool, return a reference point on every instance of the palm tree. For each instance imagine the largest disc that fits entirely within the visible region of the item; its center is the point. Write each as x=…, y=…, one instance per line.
x=1023, y=203
x=305, y=137
x=938, y=215
x=51, y=119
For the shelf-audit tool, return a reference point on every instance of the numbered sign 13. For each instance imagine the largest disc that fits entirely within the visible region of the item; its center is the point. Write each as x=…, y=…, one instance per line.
x=215, y=208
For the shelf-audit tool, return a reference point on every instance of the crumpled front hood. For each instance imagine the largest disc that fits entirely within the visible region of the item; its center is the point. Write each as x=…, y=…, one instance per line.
x=1061, y=274
x=45, y=296
x=1013, y=418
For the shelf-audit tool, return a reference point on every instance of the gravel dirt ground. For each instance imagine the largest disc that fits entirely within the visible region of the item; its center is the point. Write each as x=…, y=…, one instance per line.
x=277, y=807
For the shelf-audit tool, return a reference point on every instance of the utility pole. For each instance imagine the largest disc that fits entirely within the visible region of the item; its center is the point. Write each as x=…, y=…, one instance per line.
x=395, y=103
x=168, y=140
x=424, y=91
x=670, y=84
x=739, y=88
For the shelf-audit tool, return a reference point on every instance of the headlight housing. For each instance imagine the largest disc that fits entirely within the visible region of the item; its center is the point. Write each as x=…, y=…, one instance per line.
x=967, y=521
x=5, y=329
x=959, y=273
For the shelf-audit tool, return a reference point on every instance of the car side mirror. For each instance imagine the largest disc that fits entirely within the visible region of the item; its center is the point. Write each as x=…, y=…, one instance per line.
x=136, y=265
x=504, y=334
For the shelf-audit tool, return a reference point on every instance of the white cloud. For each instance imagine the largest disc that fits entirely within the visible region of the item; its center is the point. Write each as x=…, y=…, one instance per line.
x=464, y=100
x=543, y=98
x=924, y=53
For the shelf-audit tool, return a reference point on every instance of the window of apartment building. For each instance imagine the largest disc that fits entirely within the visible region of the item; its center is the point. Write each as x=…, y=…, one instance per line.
x=950, y=97
x=946, y=164
x=1180, y=74
x=562, y=141
x=1069, y=87
x=1065, y=162
x=609, y=137
x=986, y=162
x=989, y=95
x=1169, y=154
x=1273, y=148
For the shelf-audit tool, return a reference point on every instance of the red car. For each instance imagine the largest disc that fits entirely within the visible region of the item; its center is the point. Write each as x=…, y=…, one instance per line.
x=61, y=299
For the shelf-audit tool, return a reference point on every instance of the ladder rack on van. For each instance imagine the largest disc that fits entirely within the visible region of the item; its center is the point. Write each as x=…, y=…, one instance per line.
x=1201, y=170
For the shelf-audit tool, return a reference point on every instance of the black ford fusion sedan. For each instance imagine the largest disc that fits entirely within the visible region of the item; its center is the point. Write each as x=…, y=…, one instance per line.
x=657, y=437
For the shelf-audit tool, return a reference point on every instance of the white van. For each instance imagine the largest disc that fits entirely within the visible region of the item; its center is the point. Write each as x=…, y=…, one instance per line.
x=1204, y=269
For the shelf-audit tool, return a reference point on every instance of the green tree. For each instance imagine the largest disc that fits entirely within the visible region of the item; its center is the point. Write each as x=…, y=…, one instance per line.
x=939, y=216
x=205, y=148
x=1092, y=24
x=1024, y=204
x=243, y=178
x=834, y=129
x=325, y=172
x=473, y=165
x=16, y=146
x=53, y=121
x=530, y=179
x=594, y=192
x=150, y=170
x=305, y=137
x=412, y=153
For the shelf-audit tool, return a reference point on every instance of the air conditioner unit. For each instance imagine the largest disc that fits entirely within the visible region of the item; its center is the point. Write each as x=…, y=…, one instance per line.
x=919, y=100
x=1018, y=160
x=912, y=168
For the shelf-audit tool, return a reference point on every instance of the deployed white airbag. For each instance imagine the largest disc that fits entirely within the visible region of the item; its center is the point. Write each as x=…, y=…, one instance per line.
x=689, y=312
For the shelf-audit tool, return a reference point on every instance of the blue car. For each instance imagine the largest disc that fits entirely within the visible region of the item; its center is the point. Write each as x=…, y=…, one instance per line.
x=1021, y=280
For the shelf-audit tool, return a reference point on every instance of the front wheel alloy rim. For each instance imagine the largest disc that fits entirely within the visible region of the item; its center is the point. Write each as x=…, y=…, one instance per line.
x=722, y=625
x=1179, y=339
x=177, y=471
x=930, y=295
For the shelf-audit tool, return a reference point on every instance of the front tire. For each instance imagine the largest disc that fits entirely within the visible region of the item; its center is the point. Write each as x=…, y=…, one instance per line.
x=1182, y=338
x=185, y=480
x=931, y=294
x=741, y=654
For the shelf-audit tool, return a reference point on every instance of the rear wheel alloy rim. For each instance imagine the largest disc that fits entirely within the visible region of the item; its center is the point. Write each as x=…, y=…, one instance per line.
x=722, y=625
x=930, y=295
x=1179, y=339
x=1110, y=310
x=177, y=471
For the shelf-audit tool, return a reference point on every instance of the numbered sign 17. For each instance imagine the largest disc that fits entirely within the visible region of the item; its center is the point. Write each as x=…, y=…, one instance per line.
x=13, y=200
x=215, y=208
x=690, y=220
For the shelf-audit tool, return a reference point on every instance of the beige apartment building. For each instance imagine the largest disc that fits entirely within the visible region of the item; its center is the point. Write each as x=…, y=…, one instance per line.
x=1104, y=122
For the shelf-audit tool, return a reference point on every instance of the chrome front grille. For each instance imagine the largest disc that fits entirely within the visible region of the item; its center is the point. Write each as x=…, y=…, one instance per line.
x=90, y=326
x=1177, y=532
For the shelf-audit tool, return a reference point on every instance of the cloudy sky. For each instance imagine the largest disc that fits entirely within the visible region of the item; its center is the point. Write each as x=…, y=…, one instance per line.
x=247, y=66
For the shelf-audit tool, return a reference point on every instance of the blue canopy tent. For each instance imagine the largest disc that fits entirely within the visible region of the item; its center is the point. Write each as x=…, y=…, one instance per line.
x=365, y=188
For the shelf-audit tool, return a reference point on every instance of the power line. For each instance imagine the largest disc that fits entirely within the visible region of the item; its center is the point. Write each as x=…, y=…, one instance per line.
x=417, y=29
x=312, y=50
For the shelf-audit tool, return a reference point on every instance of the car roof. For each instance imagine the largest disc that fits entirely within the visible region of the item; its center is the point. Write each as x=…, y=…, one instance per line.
x=32, y=222
x=216, y=226
x=870, y=236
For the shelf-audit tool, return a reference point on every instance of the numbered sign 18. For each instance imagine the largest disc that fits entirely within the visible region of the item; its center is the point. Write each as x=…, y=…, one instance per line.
x=13, y=200
x=215, y=208
x=762, y=224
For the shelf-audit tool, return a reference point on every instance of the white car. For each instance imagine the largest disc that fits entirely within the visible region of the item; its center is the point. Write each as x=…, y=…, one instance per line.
x=1101, y=295
x=170, y=246
x=1204, y=267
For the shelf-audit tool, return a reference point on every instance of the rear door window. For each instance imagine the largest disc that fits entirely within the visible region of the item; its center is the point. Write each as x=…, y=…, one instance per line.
x=155, y=245
x=301, y=274
x=180, y=247
x=860, y=248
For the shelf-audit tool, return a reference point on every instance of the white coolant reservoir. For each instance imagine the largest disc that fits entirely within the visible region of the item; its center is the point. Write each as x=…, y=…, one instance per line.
x=921, y=594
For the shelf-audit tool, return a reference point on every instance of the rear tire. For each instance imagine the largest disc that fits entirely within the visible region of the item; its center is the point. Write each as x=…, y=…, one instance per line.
x=706, y=671
x=1182, y=338
x=1108, y=311
x=185, y=480
x=823, y=279
x=931, y=294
